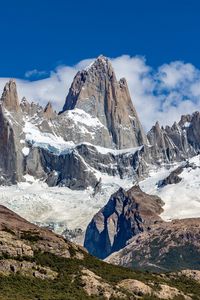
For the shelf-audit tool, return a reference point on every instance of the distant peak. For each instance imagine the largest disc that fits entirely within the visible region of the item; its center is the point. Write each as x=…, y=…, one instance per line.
x=103, y=58
x=9, y=97
x=101, y=62
x=48, y=111
x=48, y=106
x=24, y=101
x=11, y=84
x=157, y=124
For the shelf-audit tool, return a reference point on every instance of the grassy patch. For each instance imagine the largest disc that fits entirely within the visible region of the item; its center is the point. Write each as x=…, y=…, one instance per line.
x=30, y=236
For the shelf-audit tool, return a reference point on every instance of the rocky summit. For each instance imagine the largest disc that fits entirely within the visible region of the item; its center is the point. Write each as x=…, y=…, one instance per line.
x=125, y=215
x=97, y=91
x=9, y=97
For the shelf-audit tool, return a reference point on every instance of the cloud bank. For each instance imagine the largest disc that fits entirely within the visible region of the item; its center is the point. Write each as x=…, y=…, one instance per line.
x=162, y=94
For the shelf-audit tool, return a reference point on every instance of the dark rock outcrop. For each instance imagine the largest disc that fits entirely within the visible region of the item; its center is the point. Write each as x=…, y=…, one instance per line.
x=77, y=168
x=173, y=177
x=125, y=215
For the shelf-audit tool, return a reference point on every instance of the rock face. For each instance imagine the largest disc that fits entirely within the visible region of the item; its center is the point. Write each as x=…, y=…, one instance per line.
x=48, y=111
x=97, y=92
x=7, y=151
x=125, y=215
x=173, y=177
x=11, y=161
x=178, y=142
x=168, y=246
x=9, y=97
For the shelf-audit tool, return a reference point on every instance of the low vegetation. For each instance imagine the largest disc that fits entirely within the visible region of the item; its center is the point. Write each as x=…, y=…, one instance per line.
x=69, y=286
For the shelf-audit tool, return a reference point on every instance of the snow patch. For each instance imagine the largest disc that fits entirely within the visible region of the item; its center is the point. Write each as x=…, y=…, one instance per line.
x=187, y=124
x=25, y=151
x=48, y=141
x=81, y=117
x=116, y=152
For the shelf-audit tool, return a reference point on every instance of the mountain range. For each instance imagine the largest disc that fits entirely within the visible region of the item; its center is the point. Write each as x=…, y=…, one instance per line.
x=91, y=173
x=98, y=113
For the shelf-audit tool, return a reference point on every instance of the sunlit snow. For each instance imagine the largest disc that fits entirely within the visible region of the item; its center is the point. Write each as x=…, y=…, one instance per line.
x=46, y=140
x=182, y=200
x=38, y=203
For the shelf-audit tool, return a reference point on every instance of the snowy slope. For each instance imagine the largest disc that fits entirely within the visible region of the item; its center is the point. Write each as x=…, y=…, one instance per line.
x=71, y=209
x=56, y=144
x=60, y=206
x=48, y=141
x=182, y=200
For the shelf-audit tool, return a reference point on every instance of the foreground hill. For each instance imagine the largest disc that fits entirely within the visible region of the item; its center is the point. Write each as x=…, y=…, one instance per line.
x=37, y=264
x=168, y=246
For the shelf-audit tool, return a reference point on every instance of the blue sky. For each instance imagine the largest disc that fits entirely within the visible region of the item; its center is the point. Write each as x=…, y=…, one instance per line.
x=41, y=34
x=153, y=43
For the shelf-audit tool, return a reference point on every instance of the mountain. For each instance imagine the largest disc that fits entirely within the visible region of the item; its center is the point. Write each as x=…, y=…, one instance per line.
x=35, y=263
x=178, y=142
x=66, y=149
x=97, y=91
x=125, y=215
x=98, y=132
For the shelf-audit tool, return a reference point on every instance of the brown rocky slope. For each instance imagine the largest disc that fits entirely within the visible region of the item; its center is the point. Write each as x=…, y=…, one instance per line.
x=168, y=246
x=37, y=264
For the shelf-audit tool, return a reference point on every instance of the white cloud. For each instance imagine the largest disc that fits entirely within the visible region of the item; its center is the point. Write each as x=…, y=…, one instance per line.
x=163, y=94
x=35, y=74
x=177, y=73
